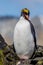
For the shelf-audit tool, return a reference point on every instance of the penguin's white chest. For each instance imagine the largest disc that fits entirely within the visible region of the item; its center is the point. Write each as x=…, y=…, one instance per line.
x=23, y=39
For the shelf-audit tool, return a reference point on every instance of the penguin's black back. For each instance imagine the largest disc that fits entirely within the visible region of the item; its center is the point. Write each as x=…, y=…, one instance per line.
x=33, y=33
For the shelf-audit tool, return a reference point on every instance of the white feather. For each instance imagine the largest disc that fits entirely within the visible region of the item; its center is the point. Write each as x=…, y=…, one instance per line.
x=23, y=39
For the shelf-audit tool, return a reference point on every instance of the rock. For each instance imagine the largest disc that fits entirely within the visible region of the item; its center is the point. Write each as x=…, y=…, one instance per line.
x=2, y=42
